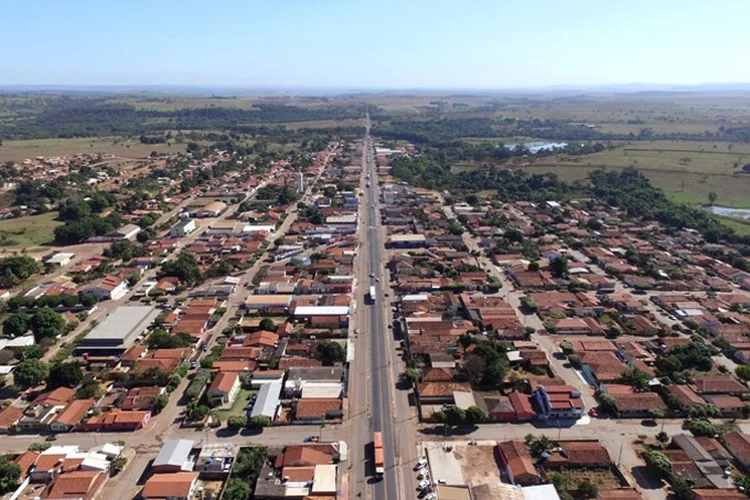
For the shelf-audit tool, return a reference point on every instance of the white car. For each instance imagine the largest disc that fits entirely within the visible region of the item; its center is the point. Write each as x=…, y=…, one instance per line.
x=431, y=496
x=423, y=484
x=419, y=466
x=423, y=474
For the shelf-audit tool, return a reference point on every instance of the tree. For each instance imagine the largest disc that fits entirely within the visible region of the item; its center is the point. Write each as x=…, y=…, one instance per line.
x=236, y=489
x=559, y=266
x=455, y=415
x=662, y=437
x=237, y=422
x=473, y=369
x=702, y=428
x=635, y=378
x=118, y=464
x=743, y=372
x=607, y=403
x=475, y=415
x=413, y=375
x=681, y=489
x=29, y=373
x=533, y=266
x=10, y=473
x=64, y=375
x=438, y=416
x=161, y=402
x=260, y=421
x=47, y=323
x=197, y=412
x=657, y=463
x=267, y=324
x=540, y=444
x=655, y=413
x=330, y=353
x=89, y=390
x=712, y=197
x=587, y=489
x=16, y=324
x=30, y=352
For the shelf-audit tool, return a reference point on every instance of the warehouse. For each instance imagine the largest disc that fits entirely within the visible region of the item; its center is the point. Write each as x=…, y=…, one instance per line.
x=174, y=456
x=406, y=241
x=212, y=209
x=119, y=331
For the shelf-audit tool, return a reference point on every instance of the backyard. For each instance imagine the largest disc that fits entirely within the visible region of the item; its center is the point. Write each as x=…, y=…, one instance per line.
x=238, y=407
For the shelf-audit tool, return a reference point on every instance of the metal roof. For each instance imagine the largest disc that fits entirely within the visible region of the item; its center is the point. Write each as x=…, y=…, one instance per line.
x=120, y=329
x=321, y=311
x=267, y=401
x=174, y=452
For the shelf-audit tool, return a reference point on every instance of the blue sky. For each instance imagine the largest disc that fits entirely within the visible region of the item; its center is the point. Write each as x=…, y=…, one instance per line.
x=382, y=43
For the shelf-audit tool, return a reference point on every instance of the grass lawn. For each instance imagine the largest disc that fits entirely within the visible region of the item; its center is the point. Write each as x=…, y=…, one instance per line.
x=239, y=404
x=603, y=479
x=30, y=231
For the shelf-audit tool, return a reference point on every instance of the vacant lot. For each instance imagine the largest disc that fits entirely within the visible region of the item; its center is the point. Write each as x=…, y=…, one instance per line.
x=603, y=479
x=118, y=146
x=479, y=464
x=29, y=231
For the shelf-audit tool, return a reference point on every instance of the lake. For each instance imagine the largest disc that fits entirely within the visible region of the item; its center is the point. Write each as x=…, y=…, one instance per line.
x=742, y=213
x=536, y=146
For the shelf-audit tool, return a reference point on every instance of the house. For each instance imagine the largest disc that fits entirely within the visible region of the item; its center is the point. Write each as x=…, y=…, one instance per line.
x=141, y=398
x=78, y=485
x=440, y=392
x=638, y=404
x=9, y=417
x=579, y=454
x=714, y=494
x=109, y=288
x=516, y=463
x=175, y=486
x=578, y=326
x=687, y=397
x=719, y=385
x=558, y=402
x=315, y=410
x=522, y=406
x=56, y=397
x=71, y=415
x=738, y=445
x=730, y=406
x=117, y=420
x=224, y=389
x=499, y=409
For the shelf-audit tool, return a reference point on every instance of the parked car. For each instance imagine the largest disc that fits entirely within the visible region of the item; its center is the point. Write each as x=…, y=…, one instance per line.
x=423, y=484
x=193, y=365
x=51, y=437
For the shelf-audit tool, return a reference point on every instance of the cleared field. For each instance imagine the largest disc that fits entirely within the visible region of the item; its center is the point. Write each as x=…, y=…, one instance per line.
x=740, y=226
x=319, y=124
x=29, y=231
x=118, y=146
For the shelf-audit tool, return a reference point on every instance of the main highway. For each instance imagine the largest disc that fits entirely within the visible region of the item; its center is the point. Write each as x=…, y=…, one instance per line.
x=381, y=385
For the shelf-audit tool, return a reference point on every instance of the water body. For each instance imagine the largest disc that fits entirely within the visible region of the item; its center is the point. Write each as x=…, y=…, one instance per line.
x=742, y=213
x=536, y=146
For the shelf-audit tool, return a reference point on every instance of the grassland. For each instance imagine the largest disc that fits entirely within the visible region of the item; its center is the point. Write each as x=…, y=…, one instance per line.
x=30, y=231
x=118, y=146
x=686, y=171
x=740, y=226
x=238, y=407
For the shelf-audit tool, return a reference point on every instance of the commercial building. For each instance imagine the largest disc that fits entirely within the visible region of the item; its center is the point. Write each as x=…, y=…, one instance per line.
x=406, y=241
x=119, y=331
x=182, y=228
x=109, y=288
x=212, y=209
x=174, y=456
x=558, y=402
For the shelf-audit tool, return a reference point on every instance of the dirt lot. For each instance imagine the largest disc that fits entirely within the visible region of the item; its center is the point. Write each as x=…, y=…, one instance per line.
x=479, y=464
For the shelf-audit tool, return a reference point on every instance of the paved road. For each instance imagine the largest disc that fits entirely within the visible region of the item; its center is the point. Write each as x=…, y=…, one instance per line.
x=382, y=418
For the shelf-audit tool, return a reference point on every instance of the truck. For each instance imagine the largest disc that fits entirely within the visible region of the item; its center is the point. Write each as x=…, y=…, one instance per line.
x=378, y=456
x=372, y=294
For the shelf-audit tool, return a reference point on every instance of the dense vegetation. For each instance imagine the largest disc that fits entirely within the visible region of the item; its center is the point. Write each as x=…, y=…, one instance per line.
x=76, y=116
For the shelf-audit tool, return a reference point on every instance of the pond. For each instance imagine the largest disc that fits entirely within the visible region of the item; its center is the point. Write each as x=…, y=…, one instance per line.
x=536, y=146
x=742, y=213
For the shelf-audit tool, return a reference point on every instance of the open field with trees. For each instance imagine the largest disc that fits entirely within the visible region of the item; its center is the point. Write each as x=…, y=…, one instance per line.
x=30, y=231
x=19, y=150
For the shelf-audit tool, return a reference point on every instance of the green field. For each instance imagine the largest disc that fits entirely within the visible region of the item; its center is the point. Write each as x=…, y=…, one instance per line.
x=30, y=231
x=118, y=146
x=740, y=226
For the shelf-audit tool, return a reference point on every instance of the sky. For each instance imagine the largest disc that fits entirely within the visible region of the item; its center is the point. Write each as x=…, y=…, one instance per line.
x=393, y=44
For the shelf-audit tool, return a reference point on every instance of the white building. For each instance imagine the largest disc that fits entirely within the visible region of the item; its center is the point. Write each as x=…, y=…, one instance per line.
x=182, y=228
x=60, y=258
x=109, y=288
